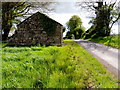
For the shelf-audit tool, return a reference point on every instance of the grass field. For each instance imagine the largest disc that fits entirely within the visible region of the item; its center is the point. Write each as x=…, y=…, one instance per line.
x=113, y=40
x=69, y=66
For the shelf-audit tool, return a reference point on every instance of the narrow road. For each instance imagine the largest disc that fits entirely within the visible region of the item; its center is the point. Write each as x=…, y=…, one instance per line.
x=107, y=55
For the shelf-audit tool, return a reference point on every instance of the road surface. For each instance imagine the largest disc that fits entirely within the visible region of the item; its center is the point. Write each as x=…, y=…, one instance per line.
x=105, y=54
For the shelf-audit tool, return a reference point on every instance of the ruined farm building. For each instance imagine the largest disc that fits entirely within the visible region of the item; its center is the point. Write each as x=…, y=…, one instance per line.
x=38, y=29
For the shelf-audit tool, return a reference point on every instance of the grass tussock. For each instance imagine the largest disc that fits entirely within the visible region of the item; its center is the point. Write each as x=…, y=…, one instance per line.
x=69, y=66
x=113, y=40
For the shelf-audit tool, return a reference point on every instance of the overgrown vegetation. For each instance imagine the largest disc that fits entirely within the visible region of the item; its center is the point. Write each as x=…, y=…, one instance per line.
x=3, y=43
x=75, y=28
x=106, y=16
x=69, y=66
x=113, y=40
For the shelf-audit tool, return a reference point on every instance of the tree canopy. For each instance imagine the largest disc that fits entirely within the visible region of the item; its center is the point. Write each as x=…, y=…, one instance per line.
x=74, y=22
x=106, y=15
x=75, y=27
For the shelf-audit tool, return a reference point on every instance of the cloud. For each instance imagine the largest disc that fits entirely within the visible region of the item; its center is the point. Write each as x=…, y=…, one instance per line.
x=64, y=17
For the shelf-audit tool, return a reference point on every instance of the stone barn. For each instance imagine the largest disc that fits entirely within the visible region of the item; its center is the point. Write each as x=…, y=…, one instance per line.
x=38, y=29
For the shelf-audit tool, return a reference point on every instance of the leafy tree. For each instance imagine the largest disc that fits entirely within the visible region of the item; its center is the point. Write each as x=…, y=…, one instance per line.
x=78, y=32
x=69, y=35
x=90, y=32
x=75, y=27
x=106, y=16
x=12, y=10
x=103, y=19
x=75, y=21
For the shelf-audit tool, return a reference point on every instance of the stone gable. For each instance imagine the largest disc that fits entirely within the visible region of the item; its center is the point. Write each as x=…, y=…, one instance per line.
x=38, y=29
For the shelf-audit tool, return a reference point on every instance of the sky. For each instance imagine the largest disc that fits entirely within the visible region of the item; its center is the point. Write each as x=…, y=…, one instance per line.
x=64, y=11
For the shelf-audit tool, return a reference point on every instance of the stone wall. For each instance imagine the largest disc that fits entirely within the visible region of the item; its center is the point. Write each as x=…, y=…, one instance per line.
x=32, y=31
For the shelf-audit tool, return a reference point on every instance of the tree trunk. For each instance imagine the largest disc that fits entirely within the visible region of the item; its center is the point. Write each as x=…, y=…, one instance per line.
x=6, y=33
x=6, y=20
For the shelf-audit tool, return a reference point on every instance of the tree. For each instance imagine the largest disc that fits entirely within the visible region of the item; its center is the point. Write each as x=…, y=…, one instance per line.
x=69, y=35
x=75, y=27
x=78, y=32
x=106, y=16
x=12, y=10
x=75, y=21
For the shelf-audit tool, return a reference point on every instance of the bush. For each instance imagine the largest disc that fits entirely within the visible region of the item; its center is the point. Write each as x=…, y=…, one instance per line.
x=90, y=32
x=78, y=32
x=69, y=35
x=112, y=40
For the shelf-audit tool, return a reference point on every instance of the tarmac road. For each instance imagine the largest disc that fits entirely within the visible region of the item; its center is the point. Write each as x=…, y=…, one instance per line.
x=107, y=55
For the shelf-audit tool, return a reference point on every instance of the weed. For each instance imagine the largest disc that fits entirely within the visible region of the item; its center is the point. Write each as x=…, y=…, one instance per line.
x=112, y=40
x=69, y=66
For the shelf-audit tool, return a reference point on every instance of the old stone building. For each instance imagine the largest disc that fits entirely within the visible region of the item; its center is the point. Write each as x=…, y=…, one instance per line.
x=38, y=29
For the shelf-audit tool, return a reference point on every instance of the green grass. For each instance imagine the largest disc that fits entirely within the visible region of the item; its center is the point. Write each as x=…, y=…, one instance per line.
x=69, y=66
x=113, y=40
x=3, y=43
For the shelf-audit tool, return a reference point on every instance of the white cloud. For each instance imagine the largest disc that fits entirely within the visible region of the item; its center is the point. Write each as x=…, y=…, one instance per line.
x=63, y=18
x=65, y=10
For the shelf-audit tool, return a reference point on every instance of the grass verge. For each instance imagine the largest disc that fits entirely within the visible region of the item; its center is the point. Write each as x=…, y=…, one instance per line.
x=69, y=66
x=113, y=40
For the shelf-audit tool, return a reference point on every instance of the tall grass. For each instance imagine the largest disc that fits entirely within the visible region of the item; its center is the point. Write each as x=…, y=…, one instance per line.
x=113, y=40
x=69, y=66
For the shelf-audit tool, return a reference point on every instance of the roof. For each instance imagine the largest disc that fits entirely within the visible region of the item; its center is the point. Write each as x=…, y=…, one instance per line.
x=39, y=13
